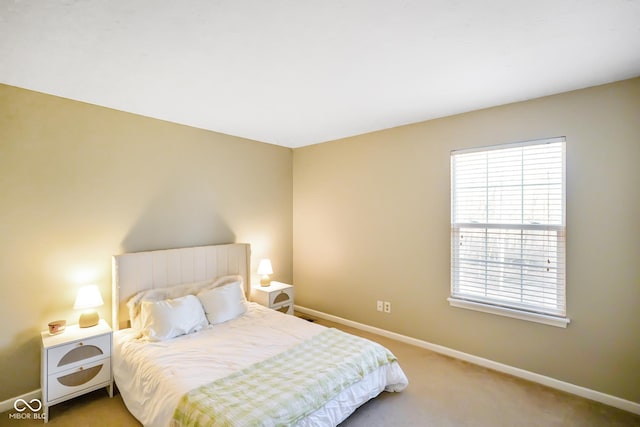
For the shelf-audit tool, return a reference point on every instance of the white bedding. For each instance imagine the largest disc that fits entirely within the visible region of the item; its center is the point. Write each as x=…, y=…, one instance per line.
x=153, y=376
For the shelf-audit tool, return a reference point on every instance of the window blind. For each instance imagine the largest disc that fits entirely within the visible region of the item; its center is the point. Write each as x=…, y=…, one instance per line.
x=508, y=226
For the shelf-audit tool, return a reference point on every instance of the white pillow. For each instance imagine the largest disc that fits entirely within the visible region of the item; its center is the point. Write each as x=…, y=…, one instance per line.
x=224, y=302
x=159, y=294
x=161, y=320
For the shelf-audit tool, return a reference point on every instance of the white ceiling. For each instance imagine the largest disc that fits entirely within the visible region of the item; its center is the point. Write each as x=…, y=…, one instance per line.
x=299, y=72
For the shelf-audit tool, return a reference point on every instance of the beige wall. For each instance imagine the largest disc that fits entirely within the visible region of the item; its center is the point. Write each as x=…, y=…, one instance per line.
x=79, y=183
x=371, y=221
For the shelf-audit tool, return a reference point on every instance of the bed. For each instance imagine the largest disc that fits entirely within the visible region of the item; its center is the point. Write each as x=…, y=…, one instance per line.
x=244, y=364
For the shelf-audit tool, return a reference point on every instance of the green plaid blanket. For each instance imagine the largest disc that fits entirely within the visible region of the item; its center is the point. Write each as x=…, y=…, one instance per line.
x=285, y=388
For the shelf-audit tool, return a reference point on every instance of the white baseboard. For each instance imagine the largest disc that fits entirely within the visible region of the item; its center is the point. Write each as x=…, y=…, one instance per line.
x=587, y=393
x=7, y=405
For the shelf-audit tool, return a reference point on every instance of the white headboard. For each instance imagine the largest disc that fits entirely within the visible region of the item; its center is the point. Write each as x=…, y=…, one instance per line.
x=134, y=272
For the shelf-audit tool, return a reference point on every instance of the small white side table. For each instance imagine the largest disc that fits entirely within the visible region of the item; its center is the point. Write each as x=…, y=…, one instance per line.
x=75, y=362
x=277, y=296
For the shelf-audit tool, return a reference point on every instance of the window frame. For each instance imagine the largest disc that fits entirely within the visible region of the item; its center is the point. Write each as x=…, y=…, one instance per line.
x=503, y=307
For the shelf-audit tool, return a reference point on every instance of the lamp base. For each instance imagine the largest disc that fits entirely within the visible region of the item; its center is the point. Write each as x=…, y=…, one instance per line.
x=265, y=281
x=88, y=319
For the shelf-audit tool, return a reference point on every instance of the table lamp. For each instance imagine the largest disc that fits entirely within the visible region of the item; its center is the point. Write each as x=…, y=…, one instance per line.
x=265, y=269
x=88, y=299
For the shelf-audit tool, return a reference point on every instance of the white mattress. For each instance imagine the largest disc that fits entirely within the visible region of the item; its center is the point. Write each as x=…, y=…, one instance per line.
x=153, y=376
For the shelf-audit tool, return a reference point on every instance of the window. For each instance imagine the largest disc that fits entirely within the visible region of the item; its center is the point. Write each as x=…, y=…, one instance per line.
x=508, y=230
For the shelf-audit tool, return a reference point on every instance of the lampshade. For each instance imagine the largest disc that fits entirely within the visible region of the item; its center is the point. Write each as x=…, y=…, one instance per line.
x=265, y=269
x=88, y=298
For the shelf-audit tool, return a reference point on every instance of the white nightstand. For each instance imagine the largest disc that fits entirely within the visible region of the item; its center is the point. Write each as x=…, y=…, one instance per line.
x=278, y=296
x=75, y=362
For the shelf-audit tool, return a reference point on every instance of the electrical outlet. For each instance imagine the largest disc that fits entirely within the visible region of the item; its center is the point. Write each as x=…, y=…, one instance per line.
x=387, y=307
x=379, y=305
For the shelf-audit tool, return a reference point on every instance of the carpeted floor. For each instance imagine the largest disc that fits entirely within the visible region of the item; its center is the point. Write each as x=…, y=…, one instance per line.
x=442, y=392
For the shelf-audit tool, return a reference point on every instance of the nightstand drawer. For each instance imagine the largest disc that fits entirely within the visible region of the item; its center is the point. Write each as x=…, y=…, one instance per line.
x=280, y=297
x=78, y=379
x=77, y=353
x=286, y=308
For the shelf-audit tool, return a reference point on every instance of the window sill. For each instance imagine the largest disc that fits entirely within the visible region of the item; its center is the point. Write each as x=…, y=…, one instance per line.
x=560, y=322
